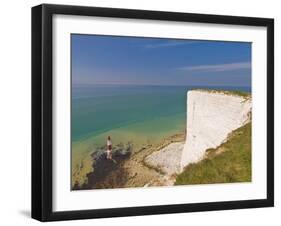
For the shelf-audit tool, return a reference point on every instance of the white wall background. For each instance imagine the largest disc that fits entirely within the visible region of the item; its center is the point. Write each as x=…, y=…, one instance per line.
x=15, y=118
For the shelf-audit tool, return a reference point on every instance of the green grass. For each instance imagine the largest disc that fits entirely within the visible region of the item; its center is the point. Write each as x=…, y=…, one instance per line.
x=227, y=92
x=233, y=164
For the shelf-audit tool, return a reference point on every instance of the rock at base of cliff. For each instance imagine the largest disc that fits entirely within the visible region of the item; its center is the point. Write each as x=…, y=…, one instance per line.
x=168, y=159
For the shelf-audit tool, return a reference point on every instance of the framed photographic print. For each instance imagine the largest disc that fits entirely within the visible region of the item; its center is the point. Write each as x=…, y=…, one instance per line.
x=145, y=112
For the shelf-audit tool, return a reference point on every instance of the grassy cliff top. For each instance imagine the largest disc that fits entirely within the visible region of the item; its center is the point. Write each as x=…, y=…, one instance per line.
x=230, y=162
x=226, y=92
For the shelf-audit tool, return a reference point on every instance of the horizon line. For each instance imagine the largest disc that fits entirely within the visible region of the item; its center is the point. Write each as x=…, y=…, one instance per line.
x=137, y=84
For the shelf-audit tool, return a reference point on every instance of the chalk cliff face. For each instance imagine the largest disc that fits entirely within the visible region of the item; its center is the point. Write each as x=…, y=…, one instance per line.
x=211, y=117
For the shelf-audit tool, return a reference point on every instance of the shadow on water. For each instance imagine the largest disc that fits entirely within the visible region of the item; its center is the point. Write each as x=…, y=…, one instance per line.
x=108, y=173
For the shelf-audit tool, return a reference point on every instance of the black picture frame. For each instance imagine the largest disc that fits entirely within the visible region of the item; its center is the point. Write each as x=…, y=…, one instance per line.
x=42, y=111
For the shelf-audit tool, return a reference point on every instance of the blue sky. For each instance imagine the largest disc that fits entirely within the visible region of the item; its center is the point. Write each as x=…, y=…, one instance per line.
x=151, y=61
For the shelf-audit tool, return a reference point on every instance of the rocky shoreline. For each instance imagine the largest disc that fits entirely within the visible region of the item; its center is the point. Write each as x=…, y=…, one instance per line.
x=135, y=168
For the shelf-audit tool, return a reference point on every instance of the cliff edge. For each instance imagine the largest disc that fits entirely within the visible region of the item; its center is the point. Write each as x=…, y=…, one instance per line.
x=211, y=116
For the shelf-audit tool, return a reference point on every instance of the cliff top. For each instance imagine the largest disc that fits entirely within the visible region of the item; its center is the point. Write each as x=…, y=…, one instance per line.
x=226, y=92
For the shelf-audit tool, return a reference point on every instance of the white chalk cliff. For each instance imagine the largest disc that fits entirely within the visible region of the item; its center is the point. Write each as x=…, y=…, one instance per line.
x=211, y=117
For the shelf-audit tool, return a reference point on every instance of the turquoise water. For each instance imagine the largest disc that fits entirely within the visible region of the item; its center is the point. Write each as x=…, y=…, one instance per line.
x=100, y=108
